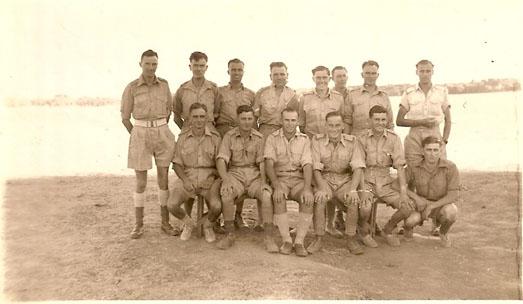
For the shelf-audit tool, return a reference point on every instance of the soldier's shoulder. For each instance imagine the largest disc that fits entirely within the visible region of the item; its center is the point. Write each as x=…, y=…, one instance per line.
x=441, y=87
x=389, y=131
x=319, y=136
x=162, y=80
x=334, y=92
x=410, y=90
x=348, y=137
x=263, y=89
x=212, y=84
x=257, y=133
x=185, y=84
x=308, y=92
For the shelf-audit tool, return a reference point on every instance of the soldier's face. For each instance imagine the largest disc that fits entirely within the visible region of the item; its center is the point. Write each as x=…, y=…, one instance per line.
x=149, y=65
x=321, y=79
x=235, y=72
x=334, y=127
x=379, y=122
x=198, y=118
x=432, y=153
x=279, y=76
x=340, y=78
x=370, y=74
x=289, y=121
x=246, y=121
x=198, y=68
x=424, y=72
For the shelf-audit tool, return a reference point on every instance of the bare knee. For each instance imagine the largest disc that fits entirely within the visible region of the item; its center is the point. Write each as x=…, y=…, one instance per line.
x=413, y=219
x=163, y=177
x=365, y=211
x=449, y=213
x=141, y=181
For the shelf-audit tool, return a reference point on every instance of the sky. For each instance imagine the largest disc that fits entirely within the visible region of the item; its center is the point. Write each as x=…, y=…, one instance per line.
x=92, y=48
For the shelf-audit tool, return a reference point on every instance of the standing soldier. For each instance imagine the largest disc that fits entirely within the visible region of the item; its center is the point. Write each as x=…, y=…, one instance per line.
x=198, y=89
x=339, y=76
x=359, y=101
x=288, y=165
x=270, y=101
x=239, y=163
x=383, y=150
x=333, y=155
x=194, y=163
x=148, y=100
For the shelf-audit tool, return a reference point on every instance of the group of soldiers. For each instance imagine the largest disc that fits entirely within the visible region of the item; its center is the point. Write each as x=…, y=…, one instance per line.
x=329, y=149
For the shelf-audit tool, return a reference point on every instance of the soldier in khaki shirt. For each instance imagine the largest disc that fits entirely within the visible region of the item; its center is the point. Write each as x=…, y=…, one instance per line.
x=194, y=163
x=333, y=155
x=288, y=165
x=198, y=89
x=383, y=150
x=359, y=101
x=270, y=101
x=239, y=163
x=434, y=186
x=148, y=100
x=339, y=77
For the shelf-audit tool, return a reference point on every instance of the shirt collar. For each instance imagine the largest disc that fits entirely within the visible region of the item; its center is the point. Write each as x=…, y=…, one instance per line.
x=141, y=80
x=207, y=132
x=229, y=86
x=329, y=93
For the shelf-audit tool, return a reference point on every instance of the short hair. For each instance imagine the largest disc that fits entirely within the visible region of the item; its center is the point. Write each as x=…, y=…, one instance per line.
x=289, y=110
x=333, y=114
x=197, y=56
x=424, y=61
x=430, y=140
x=244, y=109
x=277, y=64
x=321, y=68
x=377, y=109
x=197, y=105
x=149, y=53
x=370, y=62
x=338, y=67
x=235, y=60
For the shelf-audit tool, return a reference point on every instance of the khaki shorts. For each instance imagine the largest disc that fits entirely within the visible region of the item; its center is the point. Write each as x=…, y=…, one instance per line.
x=246, y=180
x=145, y=143
x=292, y=186
x=184, y=195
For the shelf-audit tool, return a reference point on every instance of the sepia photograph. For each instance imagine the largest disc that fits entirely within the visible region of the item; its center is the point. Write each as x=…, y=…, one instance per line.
x=261, y=150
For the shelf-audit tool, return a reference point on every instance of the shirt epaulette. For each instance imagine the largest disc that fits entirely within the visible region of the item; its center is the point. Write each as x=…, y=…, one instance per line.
x=212, y=84
x=319, y=136
x=308, y=92
x=391, y=131
x=410, y=90
x=161, y=79
x=348, y=137
x=262, y=89
x=302, y=134
x=256, y=133
x=335, y=92
x=214, y=132
x=184, y=84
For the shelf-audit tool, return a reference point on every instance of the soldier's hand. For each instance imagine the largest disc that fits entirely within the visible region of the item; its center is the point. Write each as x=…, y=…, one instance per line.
x=307, y=198
x=421, y=204
x=278, y=196
x=351, y=198
x=321, y=196
x=425, y=214
x=188, y=186
x=366, y=197
x=428, y=122
x=265, y=187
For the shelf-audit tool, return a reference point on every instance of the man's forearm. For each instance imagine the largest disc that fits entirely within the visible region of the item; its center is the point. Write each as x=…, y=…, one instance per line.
x=269, y=170
x=180, y=171
x=128, y=125
x=307, y=175
x=221, y=167
x=178, y=120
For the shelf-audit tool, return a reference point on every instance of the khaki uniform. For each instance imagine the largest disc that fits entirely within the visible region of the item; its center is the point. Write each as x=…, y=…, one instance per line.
x=197, y=156
x=359, y=102
x=419, y=106
x=228, y=103
x=268, y=107
x=188, y=94
x=148, y=105
x=382, y=153
x=344, y=92
x=313, y=109
x=243, y=158
x=289, y=159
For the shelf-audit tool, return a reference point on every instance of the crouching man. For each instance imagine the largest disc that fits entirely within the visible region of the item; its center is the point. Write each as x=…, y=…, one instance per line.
x=239, y=163
x=434, y=186
x=194, y=163
x=333, y=155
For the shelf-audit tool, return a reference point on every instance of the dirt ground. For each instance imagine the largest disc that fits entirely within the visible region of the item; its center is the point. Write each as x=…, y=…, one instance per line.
x=67, y=238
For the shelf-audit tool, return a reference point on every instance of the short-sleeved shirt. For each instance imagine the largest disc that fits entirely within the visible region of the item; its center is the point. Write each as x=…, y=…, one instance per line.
x=359, y=102
x=433, y=185
x=289, y=156
x=335, y=160
x=230, y=99
x=146, y=102
x=188, y=94
x=421, y=106
x=313, y=109
x=197, y=155
x=268, y=106
x=344, y=92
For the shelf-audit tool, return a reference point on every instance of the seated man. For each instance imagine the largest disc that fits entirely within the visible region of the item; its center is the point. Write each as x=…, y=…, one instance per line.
x=288, y=164
x=333, y=155
x=194, y=163
x=383, y=150
x=239, y=163
x=434, y=186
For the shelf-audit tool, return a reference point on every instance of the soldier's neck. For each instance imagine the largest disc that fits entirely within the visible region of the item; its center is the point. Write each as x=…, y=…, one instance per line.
x=370, y=87
x=425, y=87
x=235, y=84
x=340, y=88
x=149, y=79
x=289, y=135
x=377, y=133
x=198, y=132
x=198, y=82
x=322, y=92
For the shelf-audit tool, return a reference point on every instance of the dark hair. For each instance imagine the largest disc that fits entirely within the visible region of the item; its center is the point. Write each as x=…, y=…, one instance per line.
x=197, y=56
x=321, y=68
x=370, y=62
x=430, y=140
x=235, y=60
x=149, y=53
x=338, y=67
x=376, y=109
x=424, y=61
x=244, y=109
x=277, y=64
x=289, y=110
x=333, y=114
x=197, y=105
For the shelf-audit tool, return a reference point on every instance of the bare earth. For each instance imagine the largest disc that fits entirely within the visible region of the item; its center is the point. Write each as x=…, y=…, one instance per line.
x=67, y=238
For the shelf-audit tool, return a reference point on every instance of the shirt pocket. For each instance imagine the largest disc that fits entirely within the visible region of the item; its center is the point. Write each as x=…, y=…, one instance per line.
x=141, y=101
x=387, y=155
x=237, y=153
x=189, y=155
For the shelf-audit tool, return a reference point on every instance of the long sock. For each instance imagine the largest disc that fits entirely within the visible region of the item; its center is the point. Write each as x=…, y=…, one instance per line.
x=397, y=217
x=139, y=199
x=351, y=223
x=163, y=197
x=304, y=222
x=445, y=226
x=283, y=225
